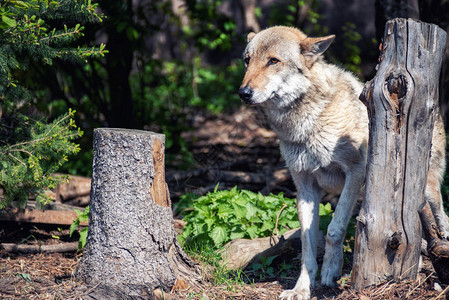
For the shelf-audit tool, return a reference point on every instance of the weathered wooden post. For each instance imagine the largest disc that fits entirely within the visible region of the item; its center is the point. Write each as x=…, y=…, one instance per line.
x=131, y=247
x=401, y=101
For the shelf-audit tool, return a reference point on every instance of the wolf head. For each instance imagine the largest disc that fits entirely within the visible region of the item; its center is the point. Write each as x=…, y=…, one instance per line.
x=278, y=62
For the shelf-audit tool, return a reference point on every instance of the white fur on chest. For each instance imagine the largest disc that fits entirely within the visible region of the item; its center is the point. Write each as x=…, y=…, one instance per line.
x=304, y=144
x=307, y=156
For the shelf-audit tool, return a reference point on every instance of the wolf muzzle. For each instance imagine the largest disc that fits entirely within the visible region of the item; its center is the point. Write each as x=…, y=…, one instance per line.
x=246, y=94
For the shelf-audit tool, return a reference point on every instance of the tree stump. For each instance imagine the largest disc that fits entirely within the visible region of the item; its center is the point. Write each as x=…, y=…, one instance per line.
x=131, y=247
x=401, y=101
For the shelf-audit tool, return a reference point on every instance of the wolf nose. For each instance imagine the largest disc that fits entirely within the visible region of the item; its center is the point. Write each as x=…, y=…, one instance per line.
x=245, y=94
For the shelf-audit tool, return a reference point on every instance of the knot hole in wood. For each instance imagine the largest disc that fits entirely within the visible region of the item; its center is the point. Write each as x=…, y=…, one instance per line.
x=395, y=240
x=397, y=90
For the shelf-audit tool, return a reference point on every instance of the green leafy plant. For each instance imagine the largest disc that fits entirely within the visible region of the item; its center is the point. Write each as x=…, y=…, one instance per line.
x=24, y=276
x=326, y=214
x=221, y=216
x=284, y=268
x=264, y=268
x=209, y=28
x=83, y=216
x=352, y=59
x=170, y=93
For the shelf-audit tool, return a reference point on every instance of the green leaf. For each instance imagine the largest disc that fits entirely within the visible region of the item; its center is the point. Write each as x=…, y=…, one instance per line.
x=293, y=224
x=251, y=210
x=218, y=235
x=225, y=210
x=9, y=21
x=74, y=226
x=132, y=33
x=242, y=201
x=200, y=228
x=83, y=238
x=267, y=226
x=324, y=222
x=325, y=209
x=256, y=266
x=203, y=211
x=237, y=234
x=255, y=219
x=210, y=222
x=240, y=211
x=20, y=4
x=249, y=194
x=270, y=202
x=252, y=231
x=24, y=276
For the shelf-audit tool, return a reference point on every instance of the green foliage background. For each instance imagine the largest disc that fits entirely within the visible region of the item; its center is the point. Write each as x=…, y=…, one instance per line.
x=137, y=86
x=45, y=75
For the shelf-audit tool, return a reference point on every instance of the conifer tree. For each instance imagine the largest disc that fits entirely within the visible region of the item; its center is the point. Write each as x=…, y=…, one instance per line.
x=34, y=32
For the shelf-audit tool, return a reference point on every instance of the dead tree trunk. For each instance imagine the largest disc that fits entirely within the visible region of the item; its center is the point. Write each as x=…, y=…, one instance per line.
x=131, y=248
x=401, y=101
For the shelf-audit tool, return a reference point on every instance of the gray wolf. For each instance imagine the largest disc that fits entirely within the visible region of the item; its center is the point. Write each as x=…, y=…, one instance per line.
x=322, y=126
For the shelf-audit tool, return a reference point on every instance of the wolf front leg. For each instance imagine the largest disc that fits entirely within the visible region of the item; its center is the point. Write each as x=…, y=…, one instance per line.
x=333, y=257
x=308, y=213
x=435, y=178
x=433, y=196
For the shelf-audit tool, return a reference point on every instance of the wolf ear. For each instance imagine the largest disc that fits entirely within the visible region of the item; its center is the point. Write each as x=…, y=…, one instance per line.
x=250, y=36
x=311, y=48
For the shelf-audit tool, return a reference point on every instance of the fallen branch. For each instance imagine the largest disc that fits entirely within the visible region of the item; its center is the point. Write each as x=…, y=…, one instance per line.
x=237, y=176
x=79, y=201
x=184, y=175
x=240, y=253
x=230, y=176
x=49, y=216
x=31, y=249
x=78, y=186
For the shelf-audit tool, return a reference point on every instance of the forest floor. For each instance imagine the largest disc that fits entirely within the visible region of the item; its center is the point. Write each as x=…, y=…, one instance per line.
x=234, y=149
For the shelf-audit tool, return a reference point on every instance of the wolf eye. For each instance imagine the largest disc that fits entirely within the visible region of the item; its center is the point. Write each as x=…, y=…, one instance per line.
x=247, y=60
x=273, y=61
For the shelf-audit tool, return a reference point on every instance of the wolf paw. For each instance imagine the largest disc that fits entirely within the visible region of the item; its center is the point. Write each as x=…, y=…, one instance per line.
x=302, y=294
x=329, y=279
x=331, y=271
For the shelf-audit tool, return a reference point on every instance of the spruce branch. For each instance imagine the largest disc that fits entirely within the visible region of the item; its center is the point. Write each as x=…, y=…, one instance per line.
x=61, y=120
x=64, y=34
x=31, y=151
x=12, y=156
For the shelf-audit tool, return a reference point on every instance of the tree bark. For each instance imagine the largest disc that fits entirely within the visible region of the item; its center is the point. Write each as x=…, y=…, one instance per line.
x=248, y=11
x=131, y=246
x=401, y=101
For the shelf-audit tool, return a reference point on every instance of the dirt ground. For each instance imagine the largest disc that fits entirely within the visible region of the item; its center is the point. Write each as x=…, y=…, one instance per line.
x=235, y=149
x=52, y=276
